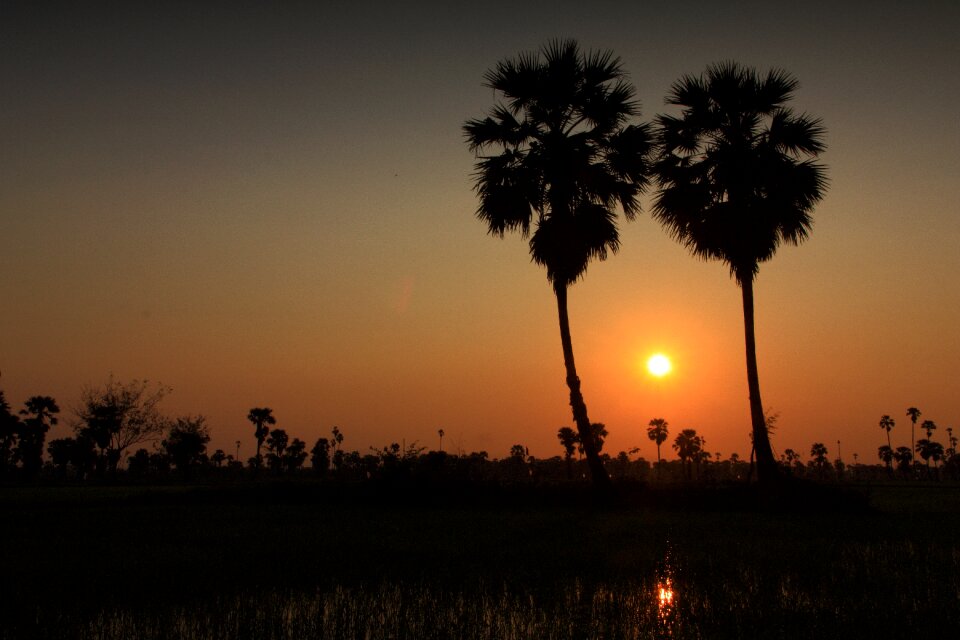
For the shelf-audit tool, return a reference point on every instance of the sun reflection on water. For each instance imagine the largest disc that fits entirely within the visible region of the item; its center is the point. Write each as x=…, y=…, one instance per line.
x=665, y=596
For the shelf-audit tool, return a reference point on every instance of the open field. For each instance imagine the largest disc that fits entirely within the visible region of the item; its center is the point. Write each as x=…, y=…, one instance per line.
x=301, y=560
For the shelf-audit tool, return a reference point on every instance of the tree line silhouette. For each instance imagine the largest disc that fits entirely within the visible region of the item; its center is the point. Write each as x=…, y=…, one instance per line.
x=558, y=154
x=927, y=448
x=120, y=416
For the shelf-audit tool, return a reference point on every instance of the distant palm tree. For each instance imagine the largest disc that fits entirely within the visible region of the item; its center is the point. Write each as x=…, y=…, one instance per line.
x=885, y=453
x=563, y=157
x=914, y=414
x=598, y=433
x=687, y=445
x=657, y=431
x=441, y=433
x=261, y=417
x=737, y=180
x=929, y=426
x=568, y=440
x=903, y=456
x=818, y=455
x=43, y=409
x=40, y=414
x=886, y=422
x=929, y=450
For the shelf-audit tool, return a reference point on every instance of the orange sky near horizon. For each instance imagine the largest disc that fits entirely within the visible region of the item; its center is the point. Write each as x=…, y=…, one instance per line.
x=273, y=206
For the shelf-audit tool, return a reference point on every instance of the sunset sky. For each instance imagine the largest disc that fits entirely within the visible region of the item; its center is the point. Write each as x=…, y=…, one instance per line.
x=270, y=204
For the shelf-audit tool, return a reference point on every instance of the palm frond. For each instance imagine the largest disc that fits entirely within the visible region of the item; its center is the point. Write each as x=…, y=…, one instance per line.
x=734, y=171
x=569, y=155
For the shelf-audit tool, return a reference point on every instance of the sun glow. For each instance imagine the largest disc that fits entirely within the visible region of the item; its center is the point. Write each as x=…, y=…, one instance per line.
x=659, y=365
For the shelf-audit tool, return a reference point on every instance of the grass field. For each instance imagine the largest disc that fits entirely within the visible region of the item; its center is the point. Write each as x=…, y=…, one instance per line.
x=299, y=560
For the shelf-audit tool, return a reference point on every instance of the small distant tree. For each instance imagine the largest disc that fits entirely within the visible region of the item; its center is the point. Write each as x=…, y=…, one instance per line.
x=261, y=418
x=887, y=423
x=914, y=415
x=818, y=455
x=929, y=426
x=790, y=457
x=338, y=456
x=61, y=452
x=160, y=463
x=138, y=465
x=295, y=455
x=118, y=416
x=518, y=451
x=885, y=453
x=9, y=427
x=904, y=457
x=218, y=458
x=929, y=450
x=39, y=416
x=186, y=444
x=568, y=440
x=658, y=432
x=277, y=443
x=320, y=457
x=598, y=433
x=441, y=433
x=688, y=445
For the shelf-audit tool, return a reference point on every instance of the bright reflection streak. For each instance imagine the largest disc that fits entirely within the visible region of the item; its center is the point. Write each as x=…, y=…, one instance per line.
x=664, y=599
x=666, y=596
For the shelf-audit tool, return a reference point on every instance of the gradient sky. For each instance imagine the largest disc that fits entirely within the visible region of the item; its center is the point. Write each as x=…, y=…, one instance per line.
x=270, y=204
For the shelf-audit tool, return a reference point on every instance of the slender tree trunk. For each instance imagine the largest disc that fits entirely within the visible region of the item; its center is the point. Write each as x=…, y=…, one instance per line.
x=913, y=441
x=579, y=407
x=767, y=471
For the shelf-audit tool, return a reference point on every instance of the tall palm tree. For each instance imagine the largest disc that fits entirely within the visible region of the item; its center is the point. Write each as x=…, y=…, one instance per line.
x=737, y=179
x=562, y=157
x=914, y=414
x=657, y=431
x=886, y=422
x=261, y=417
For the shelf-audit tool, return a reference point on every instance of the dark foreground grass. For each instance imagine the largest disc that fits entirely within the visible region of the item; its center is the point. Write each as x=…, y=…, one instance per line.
x=304, y=561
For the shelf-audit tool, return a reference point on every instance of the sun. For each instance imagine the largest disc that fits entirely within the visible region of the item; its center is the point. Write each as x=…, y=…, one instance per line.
x=659, y=365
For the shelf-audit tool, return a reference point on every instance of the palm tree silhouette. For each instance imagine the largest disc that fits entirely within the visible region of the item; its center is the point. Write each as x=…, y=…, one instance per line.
x=903, y=456
x=261, y=417
x=736, y=180
x=657, y=431
x=687, y=445
x=818, y=455
x=929, y=426
x=886, y=422
x=568, y=440
x=914, y=414
x=563, y=157
x=885, y=453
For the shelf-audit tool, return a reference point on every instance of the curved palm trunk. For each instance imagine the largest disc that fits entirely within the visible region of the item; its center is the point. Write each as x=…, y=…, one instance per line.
x=597, y=472
x=767, y=470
